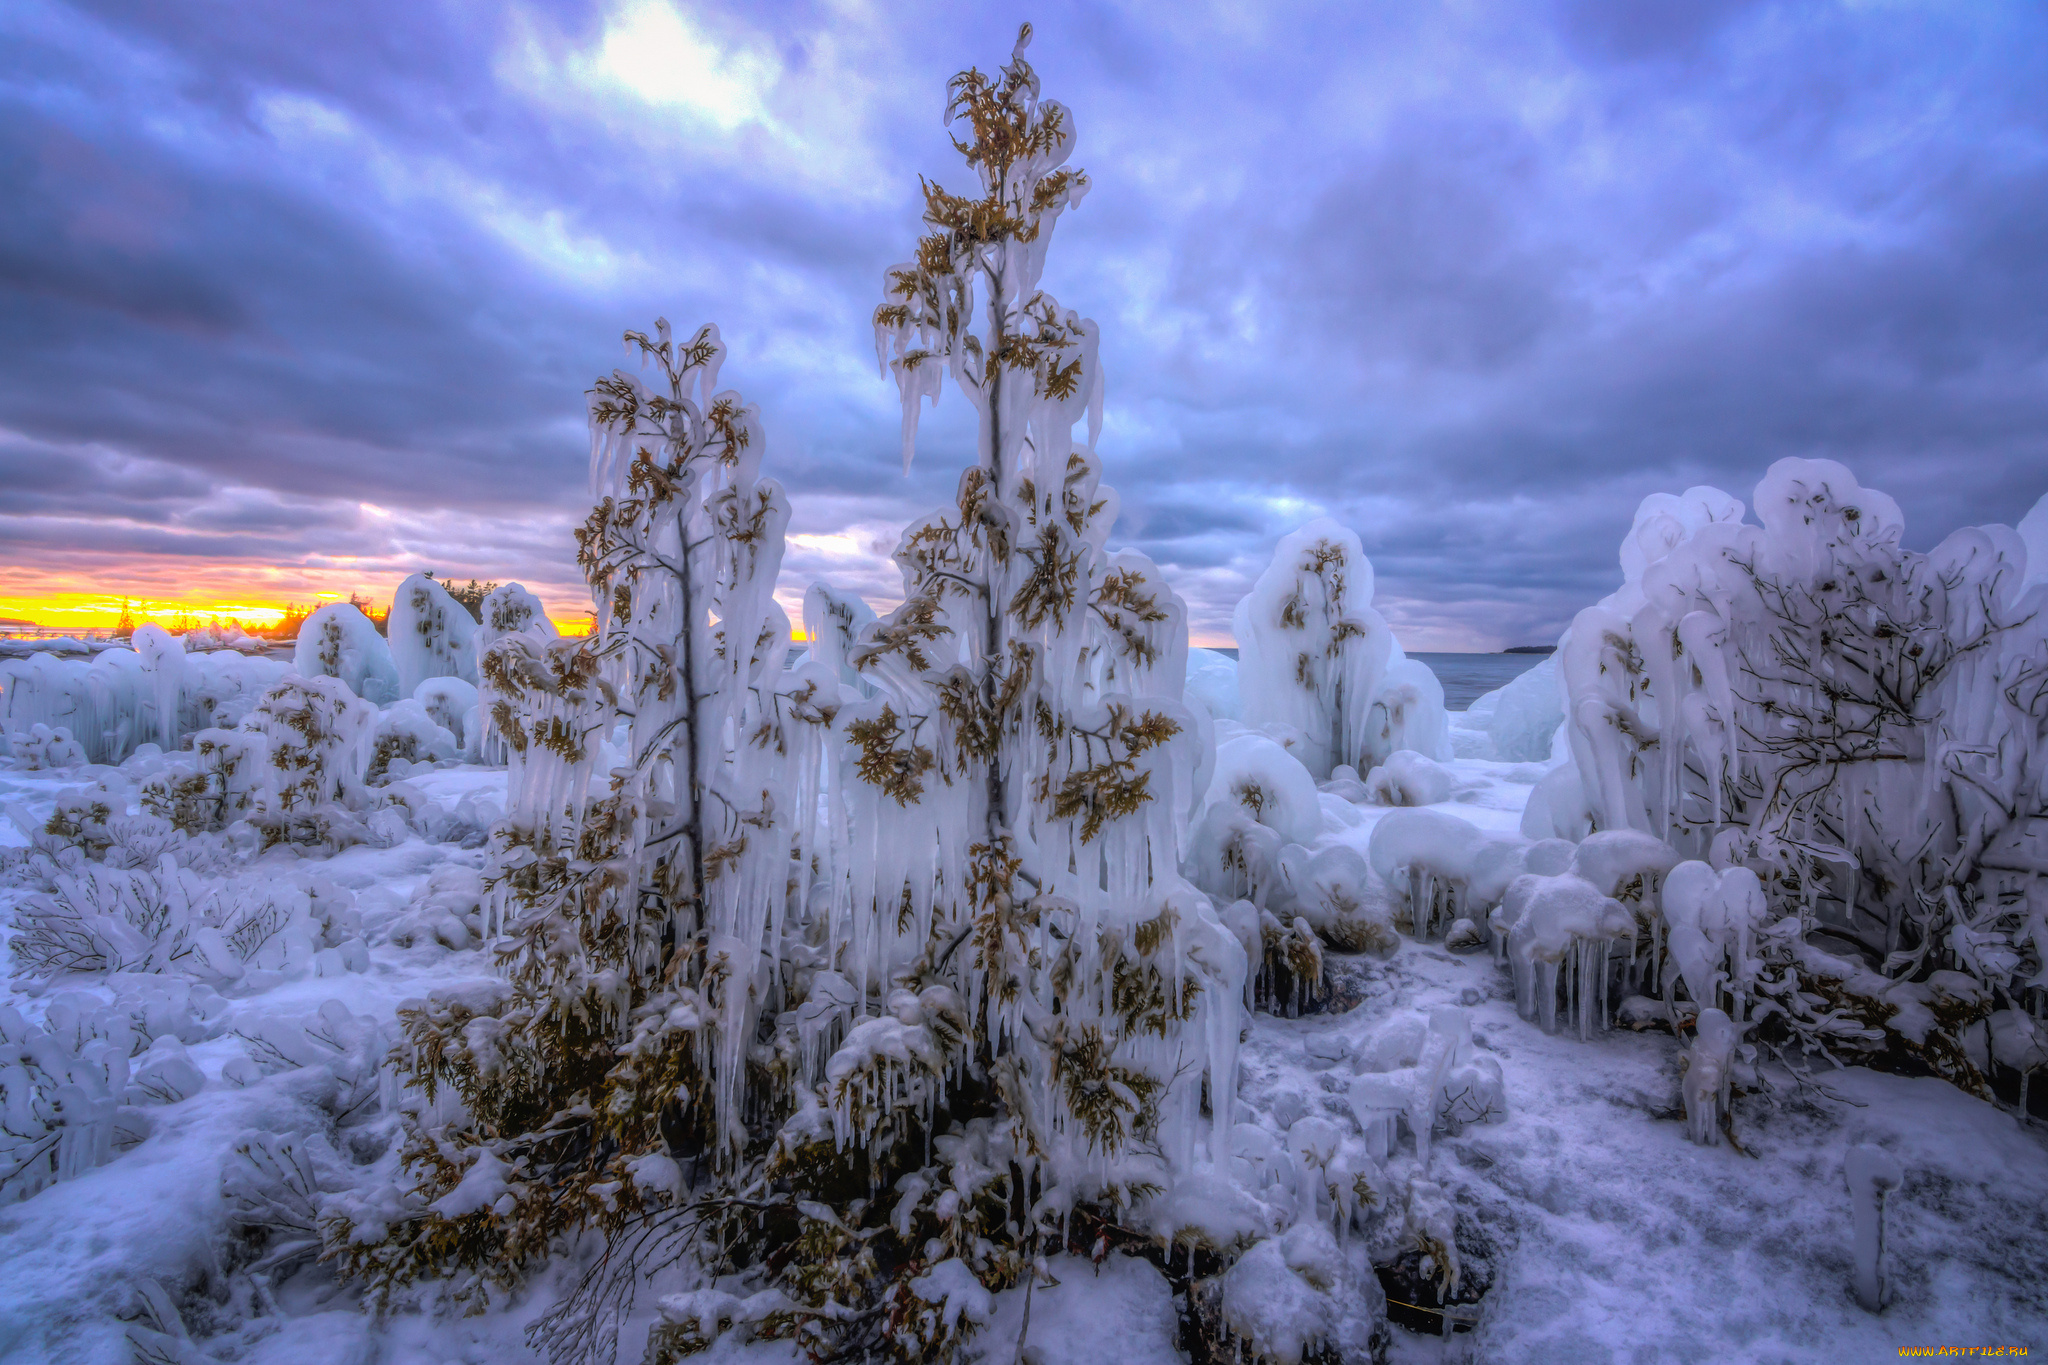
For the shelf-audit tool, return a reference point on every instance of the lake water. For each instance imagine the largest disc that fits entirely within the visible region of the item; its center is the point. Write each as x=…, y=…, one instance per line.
x=1466, y=677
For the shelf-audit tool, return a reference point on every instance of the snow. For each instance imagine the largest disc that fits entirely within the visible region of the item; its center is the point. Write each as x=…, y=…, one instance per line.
x=1591, y=1197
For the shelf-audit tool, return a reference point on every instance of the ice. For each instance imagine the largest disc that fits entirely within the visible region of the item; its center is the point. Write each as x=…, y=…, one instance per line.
x=1256, y=776
x=1314, y=656
x=1445, y=867
x=338, y=641
x=431, y=635
x=1709, y=1064
x=1521, y=720
x=1212, y=683
x=1408, y=778
x=1558, y=931
x=1873, y=1173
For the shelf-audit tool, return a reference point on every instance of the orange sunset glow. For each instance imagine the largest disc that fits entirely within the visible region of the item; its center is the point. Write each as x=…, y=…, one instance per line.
x=252, y=597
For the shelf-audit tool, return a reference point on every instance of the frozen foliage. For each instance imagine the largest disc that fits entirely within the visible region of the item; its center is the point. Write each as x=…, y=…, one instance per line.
x=1316, y=657
x=1407, y=778
x=430, y=635
x=168, y=918
x=63, y=1089
x=74, y=1089
x=121, y=699
x=451, y=704
x=1858, y=724
x=338, y=641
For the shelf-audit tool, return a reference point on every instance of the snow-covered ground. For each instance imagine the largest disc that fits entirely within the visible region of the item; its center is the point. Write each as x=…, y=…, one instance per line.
x=1603, y=1232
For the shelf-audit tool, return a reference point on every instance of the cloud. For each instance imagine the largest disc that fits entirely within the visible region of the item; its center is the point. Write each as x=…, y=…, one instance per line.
x=1474, y=279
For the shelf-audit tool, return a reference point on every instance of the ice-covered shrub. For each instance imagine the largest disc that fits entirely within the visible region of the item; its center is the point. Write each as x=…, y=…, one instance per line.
x=1314, y=655
x=448, y=910
x=161, y=919
x=1407, y=778
x=406, y=736
x=1559, y=930
x=318, y=731
x=62, y=1093
x=338, y=641
x=70, y=1095
x=508, y=610
x=1302, y=1296
x=1328, y=889
x=1444, y=868
x=451, y=704
x=430, y=635
x=1859, y=724
x=44, y=748
x=1426, y=1076
x=219, y=780
x=1255, y=777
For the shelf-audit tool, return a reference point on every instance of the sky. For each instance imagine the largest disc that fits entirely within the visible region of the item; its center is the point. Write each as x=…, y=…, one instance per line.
x=296, y=299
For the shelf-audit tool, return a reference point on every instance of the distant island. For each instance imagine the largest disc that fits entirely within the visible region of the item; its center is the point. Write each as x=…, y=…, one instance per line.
x=1530, y=649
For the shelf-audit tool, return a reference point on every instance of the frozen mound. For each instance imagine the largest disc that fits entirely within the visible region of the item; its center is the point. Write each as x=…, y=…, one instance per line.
x=1314, y=656
x=120, y=698
x=451, y=704
x=338, y=641
x=1445, y=868
x=1408, y=778
x=1256, y=777
x=1212, y=684
x=1520, y=721
x=430, y=635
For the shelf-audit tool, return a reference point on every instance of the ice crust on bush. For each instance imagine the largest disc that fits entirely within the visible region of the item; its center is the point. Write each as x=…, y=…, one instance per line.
x=1315, y=657
x=338, y=641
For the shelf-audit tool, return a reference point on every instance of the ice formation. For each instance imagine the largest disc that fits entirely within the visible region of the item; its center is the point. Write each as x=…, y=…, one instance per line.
x=431, y=635
x=1445, y=868
x=1408, y=778
x=1873, y=1173
x=1518, y=723
x=338, y=641
x=1854, y=722
x=120, y=699
x=1315, y=656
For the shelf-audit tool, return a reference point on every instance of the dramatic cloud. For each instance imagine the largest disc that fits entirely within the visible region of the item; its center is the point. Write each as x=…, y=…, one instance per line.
x=296, y=299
